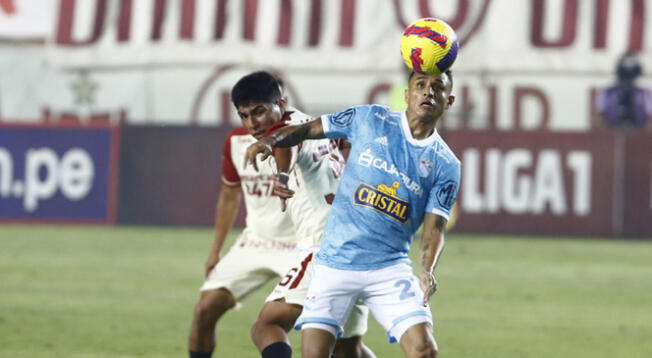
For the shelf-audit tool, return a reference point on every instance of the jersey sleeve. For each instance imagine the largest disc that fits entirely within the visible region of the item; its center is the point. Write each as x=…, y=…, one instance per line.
x=344, y=124
x=444, y=192
x=230, y=174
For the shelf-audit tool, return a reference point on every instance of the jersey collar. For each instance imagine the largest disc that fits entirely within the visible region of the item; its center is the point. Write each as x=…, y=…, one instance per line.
x=418, y=142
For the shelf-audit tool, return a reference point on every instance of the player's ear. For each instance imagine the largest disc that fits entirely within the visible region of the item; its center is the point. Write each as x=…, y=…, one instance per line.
x=282, y=103
x=451, y=100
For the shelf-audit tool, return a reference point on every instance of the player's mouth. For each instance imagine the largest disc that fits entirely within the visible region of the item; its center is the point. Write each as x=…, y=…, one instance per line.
x=258, y=134
x=429, y=105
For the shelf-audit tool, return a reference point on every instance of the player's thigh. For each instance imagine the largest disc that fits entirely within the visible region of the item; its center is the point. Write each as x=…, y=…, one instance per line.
x=331, y=296
x=395, y=299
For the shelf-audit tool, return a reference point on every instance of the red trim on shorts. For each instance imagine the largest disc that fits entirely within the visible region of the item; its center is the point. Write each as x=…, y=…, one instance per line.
x=304, y=266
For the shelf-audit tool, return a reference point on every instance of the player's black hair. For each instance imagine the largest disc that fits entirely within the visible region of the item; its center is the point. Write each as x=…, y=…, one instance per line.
x=448, y=73
x=256, y=86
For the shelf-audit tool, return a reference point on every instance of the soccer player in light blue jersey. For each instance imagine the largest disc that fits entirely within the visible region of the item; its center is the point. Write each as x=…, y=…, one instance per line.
x=400, y=174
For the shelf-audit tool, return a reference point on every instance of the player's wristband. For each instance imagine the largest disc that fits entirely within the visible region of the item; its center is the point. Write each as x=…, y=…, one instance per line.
x=283, y=178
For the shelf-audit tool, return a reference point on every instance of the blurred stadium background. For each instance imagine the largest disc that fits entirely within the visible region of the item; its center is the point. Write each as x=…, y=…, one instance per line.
x=113, y=112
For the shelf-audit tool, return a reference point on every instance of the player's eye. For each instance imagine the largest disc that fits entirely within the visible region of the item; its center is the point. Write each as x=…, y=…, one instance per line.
x=258, y=111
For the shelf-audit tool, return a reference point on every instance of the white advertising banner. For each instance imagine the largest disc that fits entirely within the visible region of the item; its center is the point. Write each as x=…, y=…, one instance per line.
x=355, y=35
x=30, y=90
x=26, y=19
x=527, y=64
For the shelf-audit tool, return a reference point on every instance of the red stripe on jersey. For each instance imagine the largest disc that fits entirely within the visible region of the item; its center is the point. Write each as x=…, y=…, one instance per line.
x=229, y=172
x=304, y=266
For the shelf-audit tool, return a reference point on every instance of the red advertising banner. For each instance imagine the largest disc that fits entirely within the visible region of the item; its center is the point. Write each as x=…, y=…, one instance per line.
x=636, y=188
x=513, y=182
x=537, y=182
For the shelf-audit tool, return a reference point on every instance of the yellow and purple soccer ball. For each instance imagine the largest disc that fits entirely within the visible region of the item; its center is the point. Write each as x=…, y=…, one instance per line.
x=429, y=46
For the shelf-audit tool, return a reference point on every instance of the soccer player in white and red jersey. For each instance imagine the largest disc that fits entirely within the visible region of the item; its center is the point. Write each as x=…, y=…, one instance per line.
x=269, y=245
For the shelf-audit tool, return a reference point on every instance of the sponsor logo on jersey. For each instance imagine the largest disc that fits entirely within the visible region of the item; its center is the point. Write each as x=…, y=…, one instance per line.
x=383, y=199
x=382, y=140
x=367, y=159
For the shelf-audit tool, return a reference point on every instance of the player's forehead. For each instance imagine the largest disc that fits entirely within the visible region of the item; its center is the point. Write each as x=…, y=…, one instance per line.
x=423, y=77
x=255, y=105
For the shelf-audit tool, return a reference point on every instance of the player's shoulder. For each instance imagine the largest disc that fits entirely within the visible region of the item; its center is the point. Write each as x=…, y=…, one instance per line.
x=445, y=153
x=240, y=136
x=373, y=109
x=378, y=113
x=294, y=116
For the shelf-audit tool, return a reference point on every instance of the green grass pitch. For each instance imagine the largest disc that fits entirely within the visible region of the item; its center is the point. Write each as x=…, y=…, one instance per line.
x=90, y=292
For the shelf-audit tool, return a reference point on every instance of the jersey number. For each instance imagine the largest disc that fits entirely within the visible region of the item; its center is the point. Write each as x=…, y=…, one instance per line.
x=260, y=189
x=405, y=293
x=296, y=274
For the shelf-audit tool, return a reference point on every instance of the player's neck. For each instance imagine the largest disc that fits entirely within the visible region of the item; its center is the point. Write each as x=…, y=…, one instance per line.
x=422, y=127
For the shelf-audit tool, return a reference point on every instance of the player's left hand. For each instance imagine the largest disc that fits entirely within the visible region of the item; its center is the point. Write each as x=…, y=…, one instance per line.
x=428, y=285
x=281, y=189
x=253, y=150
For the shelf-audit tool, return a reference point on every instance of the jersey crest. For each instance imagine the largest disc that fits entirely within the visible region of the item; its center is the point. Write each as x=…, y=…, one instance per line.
x=383, y=199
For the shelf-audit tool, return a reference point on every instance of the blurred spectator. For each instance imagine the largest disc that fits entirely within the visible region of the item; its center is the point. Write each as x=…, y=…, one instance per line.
x=625, y=105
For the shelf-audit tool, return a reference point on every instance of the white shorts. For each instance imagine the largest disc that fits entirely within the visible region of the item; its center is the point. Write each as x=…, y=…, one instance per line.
x=250, y=263
x=293, y=287
x=392, y=294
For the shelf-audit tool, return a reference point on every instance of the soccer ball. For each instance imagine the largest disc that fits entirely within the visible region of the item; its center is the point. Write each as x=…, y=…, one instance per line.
x=429, y=46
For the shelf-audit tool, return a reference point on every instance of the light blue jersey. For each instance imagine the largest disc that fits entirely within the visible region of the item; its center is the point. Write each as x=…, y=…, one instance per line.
x=390, y=181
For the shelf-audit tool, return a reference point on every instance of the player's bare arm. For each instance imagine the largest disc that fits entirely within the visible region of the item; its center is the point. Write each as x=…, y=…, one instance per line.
x=226, y=211
x=285, y=137
x=432, y=244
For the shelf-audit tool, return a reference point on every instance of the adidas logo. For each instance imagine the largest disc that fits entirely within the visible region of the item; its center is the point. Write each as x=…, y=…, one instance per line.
x=382, y=140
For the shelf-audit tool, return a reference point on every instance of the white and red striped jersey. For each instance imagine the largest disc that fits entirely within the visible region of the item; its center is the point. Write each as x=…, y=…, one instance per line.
x=265, y=219
x=314, y=178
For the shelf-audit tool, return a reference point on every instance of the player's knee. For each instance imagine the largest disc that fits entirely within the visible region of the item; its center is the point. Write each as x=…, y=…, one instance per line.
x=279, y=313
x=212, y=305
x=256, y=329
x=308, y=351
x=348, y=347
x=425, y=349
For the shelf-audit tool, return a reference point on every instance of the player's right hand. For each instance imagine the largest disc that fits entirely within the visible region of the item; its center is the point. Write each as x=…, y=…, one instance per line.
x=428, y=284
x=211, y=262
x=253, y=150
